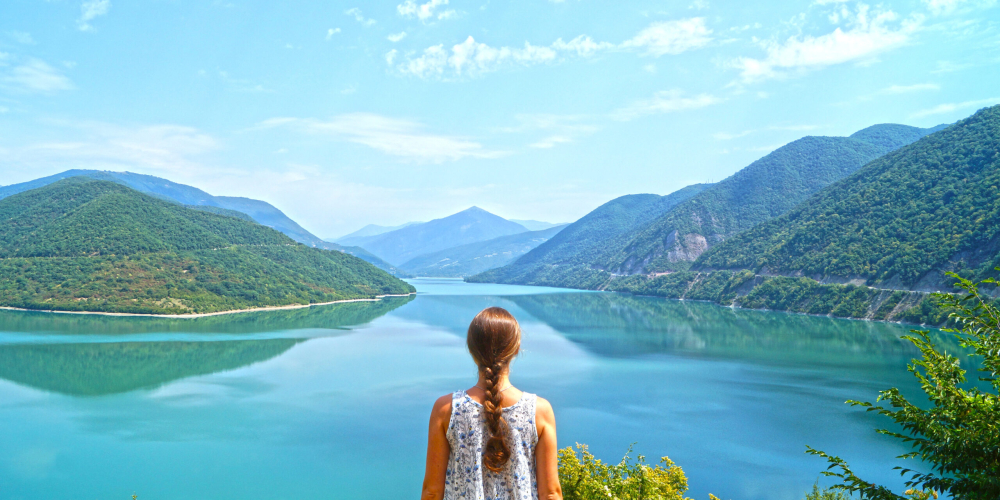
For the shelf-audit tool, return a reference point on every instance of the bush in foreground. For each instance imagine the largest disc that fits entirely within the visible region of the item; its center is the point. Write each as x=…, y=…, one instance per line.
x=958, y=435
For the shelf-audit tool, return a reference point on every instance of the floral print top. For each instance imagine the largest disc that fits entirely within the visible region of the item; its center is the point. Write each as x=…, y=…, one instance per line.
x=466, y=477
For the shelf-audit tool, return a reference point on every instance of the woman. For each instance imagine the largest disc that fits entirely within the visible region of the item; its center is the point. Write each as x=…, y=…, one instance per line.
x=492, y=441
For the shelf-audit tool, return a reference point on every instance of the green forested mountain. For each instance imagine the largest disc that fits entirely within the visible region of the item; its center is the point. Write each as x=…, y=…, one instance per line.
x=563, y=260
x=83, y=244
x=898, y=223
x=258, y=211
x=474, y=258
x=763, y=190
x=468, y=226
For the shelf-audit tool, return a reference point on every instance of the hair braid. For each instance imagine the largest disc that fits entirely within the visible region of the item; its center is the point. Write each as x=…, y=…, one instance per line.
x=494, y=340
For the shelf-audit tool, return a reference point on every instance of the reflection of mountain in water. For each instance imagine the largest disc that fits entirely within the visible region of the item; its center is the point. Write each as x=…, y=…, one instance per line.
x=328, y=316
x=97, y=368
x=624, y=325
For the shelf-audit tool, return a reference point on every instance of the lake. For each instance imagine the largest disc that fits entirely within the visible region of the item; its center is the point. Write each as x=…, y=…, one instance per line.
x=333, y=401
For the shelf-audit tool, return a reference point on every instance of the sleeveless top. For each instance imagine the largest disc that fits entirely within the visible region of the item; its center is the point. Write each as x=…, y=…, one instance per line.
x=466, y=477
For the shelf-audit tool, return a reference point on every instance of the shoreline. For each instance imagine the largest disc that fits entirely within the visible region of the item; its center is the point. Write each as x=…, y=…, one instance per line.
x=203, y=315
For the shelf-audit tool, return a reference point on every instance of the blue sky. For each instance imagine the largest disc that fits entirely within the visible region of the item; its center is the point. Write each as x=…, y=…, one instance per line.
x=348, y=113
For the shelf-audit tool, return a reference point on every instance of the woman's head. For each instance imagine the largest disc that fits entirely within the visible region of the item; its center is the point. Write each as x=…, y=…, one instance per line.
x=494, y=339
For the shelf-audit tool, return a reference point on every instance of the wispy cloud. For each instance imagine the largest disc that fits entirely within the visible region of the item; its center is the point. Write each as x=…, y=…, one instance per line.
x=395, y=37
x=939, y=7
x=957, y=106
x=89, y=10
x=906, y=89
x=671, y=37
x=33, y=75
x=556, y=129
x=332, y=31
x=471, y=58
x=867, y=34
x=666, y=101
x=393, y=136
x=725, y=136
x=425, y=11
x=21, y=37
x=359, y=16
x=166, y=148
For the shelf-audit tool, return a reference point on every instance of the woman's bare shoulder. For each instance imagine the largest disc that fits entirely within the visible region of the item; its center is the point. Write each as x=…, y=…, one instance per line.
x=442, y=408
x=543, y=409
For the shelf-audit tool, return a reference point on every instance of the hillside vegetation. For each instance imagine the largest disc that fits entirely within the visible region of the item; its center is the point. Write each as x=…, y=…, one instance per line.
x=587, y=239
x=900, y=222
x=89, y=245
x=763, y=190
x=255, y=210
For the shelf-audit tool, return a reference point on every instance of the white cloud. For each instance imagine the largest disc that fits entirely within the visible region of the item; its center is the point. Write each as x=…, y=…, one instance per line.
x=724, y=136
x=558, y=129
x=583, y=46
x=939, y=7
x=359, y=17
x=671, y=37
x=906, y=89
x=868, y=34
x=170, y=149
x=949, y=107
x=332, y=31
x=89, y=10
x=426, y=11
x=470, y=58
x=666, y=101
x=35, y=75
x=21, y=37
x=392, y=136
x=395, y=37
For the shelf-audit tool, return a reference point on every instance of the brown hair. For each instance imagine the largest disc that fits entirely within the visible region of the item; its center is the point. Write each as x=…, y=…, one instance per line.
x=494, y=339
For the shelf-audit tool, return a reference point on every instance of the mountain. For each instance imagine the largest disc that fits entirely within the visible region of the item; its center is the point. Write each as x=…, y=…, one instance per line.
x=92, y=245
x=899, y=222
x=474, y=258
x=468, y=226
x=368, y=231
x=765, y=189
x=584, y=240
x=259, y=211
x=536, y=225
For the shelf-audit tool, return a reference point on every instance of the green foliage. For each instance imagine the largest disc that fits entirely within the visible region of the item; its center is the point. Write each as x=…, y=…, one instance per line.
x=826, y=494
x=765, y=189
x=585, y=241
x=86, y=245
x=958, y=435
x=929, y=207
x=584, y=477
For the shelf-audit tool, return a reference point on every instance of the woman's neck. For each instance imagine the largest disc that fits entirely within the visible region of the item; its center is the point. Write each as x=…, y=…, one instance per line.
x=502, y=384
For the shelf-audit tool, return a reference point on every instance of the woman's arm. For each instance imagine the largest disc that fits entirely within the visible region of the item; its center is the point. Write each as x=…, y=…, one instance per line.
x=438, y=450
x=546, y=453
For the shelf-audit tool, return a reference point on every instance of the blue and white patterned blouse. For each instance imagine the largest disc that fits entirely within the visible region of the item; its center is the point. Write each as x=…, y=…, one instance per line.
x=466, y=477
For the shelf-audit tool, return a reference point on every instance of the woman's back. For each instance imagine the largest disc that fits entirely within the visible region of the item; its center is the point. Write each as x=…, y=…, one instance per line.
x=466, y=477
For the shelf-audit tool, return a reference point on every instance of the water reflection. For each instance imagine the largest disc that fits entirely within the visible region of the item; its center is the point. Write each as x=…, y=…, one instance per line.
x=330, y=316
x=63, y=364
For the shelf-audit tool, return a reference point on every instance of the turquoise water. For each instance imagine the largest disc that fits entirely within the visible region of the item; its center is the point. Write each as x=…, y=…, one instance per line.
x=332, y=401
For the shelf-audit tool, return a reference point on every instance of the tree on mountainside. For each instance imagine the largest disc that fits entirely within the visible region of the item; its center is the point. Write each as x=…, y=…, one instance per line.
x=958, y=436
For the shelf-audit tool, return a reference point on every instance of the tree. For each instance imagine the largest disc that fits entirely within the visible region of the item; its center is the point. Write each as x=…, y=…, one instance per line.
x=958, y=435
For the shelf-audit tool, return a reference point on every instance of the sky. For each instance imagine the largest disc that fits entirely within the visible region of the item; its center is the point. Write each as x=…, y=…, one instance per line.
x=345, y=113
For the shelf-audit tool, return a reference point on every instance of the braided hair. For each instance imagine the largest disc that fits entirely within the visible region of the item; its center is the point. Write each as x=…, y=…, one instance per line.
x=494, y=339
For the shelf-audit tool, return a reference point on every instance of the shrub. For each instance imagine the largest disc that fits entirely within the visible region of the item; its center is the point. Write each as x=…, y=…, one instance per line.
x=584, y=477
x=958, y=435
